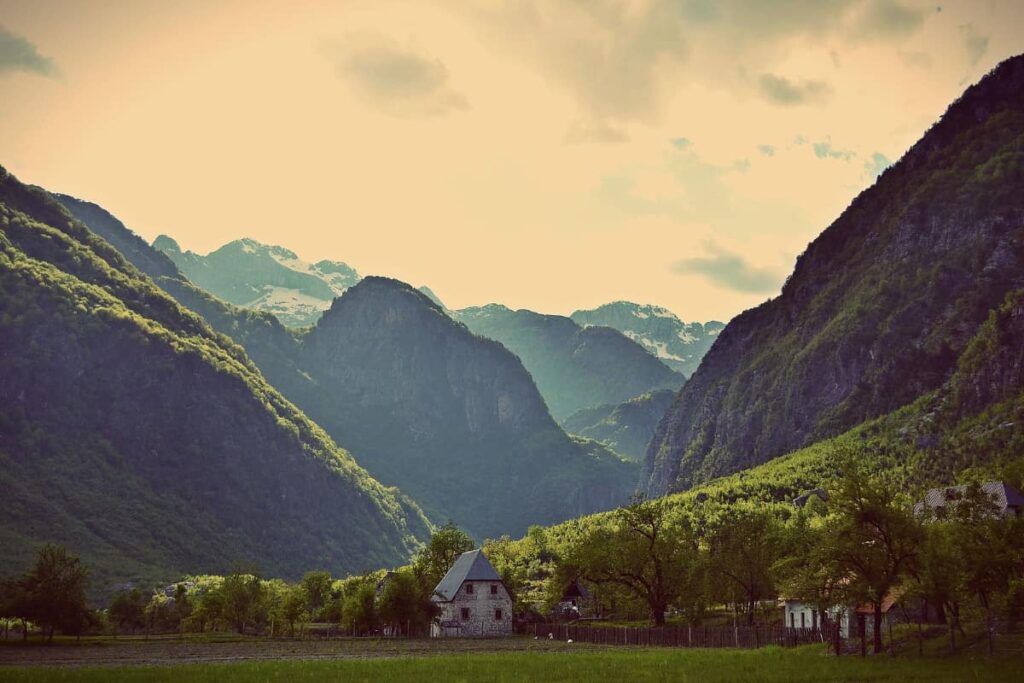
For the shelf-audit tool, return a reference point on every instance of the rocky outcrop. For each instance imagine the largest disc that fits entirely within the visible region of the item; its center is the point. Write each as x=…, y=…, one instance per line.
x=878, y=308
x=574, y=367
x=679, y=345
x=264, y=277
x=626, y=428
x=452, y=417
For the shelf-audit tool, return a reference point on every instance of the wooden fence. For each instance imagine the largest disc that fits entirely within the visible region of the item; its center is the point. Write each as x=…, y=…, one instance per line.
x=685, y=636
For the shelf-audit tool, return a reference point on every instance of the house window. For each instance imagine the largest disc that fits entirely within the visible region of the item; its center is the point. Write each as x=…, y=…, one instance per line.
x=465, y=614
x=792, y=620
x=494, y=589
x=497, y=615
x=803, y=620
x=469, y=589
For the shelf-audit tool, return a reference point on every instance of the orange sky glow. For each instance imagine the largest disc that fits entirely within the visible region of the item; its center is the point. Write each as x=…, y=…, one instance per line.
x=545, y=155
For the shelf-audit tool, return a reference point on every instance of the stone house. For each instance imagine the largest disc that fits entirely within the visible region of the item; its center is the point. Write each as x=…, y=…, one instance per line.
x=804, y=614
x=1008, y=500
x=575, y=603
x=473, y=600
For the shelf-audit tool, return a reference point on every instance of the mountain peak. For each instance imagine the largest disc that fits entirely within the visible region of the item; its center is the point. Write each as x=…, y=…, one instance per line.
x=878, y=307
x=166, y=243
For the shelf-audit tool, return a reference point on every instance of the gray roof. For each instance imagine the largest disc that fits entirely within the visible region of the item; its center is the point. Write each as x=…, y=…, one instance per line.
x=471, y=566
x=1002, y=494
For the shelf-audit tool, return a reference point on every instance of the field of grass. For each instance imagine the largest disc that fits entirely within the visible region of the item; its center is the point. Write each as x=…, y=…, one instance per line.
x=526, y=660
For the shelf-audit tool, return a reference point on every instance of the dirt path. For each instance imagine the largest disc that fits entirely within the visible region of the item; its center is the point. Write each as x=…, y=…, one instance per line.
x=129, y=652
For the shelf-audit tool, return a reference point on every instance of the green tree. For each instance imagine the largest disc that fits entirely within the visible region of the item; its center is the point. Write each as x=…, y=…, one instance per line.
x=871, y=544
x=653, y=557
x=14, y=605
x=293, y=607
x=127, y=610
x=243, y=597
x=360, y=610
x=743, y=547
x=55, y=588
x=985, y=545
x=405, y=605
x=437, y=556
x=317, y=587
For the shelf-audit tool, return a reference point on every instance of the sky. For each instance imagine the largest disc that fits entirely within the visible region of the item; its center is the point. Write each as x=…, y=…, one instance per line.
x=543, y=154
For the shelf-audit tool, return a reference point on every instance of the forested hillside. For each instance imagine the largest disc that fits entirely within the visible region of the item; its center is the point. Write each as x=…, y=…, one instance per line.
x=452, y=418
x=877, y=310
x=134, y=434
x=626, y=428
x=417, y=398
x=574, y=367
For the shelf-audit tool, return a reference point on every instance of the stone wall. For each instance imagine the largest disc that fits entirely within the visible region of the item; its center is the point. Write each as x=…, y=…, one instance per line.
x=481, y=604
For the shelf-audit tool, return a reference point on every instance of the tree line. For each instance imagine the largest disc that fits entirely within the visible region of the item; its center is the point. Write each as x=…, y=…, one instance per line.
x=856, y=546
x=52, y=596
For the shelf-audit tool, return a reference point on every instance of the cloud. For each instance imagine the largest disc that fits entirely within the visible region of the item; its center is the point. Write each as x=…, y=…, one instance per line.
x=788, y=93
x=681, y=143
x=397, y=79
x=874, y=166
x=920, y=60
x=623, y=62
x=976, y=44
x=730, y=270
x=594, y=130
x=18, y=54
x=825, y=150
x=886, y=19
x=766, y=150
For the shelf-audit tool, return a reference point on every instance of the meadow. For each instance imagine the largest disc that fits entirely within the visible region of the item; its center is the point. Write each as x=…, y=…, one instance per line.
x=514, y=659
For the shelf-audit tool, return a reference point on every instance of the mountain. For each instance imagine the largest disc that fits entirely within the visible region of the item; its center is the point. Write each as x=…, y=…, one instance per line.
x=574, y=367
x=626, y=428
x=146, y=442
x=264, y=278
x=677, y=344
x=454, y=418
x=416, y=397
x=879, y=307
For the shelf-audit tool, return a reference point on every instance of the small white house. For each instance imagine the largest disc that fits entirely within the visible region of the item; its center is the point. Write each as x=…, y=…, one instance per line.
x=474, y=601
x=801, y=614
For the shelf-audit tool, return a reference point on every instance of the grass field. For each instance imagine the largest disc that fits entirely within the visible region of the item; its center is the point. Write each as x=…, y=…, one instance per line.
x=508, y=660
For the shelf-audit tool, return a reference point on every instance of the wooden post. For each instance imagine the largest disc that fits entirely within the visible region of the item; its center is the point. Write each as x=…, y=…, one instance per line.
x=862, y=628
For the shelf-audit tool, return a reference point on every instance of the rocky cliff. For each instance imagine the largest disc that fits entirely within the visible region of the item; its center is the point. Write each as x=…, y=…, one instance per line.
x=878, y=308
x=626, y=428
x=426, y=404
x=574, y=367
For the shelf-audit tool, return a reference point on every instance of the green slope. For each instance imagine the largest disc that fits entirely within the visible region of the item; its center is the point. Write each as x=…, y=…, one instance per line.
x=574, y=367
x=626, y=428
x=148, y=443
x=420, y=401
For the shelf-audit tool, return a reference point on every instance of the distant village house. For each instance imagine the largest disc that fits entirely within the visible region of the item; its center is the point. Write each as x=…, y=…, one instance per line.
x=473, y=600
x=1008, y=500
x=575, y=603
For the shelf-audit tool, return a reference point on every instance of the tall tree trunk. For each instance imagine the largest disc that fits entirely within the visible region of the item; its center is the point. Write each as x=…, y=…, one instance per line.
x=877, y=635
x=988, y=627
x=952, y=630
